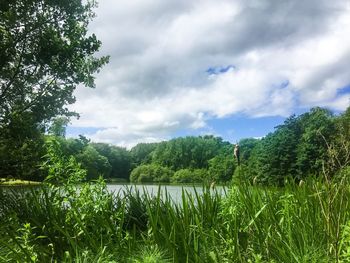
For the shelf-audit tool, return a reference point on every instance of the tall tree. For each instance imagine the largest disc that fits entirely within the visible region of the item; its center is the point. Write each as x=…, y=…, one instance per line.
x=318, y=129
x=58, y=126
x=119, y=159
x=275, y=156
x=45, y=52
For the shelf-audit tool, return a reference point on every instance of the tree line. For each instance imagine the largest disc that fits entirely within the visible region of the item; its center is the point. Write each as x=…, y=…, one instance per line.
x=316, y=143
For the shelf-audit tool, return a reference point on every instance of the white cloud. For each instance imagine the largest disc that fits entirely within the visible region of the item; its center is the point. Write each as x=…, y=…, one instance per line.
x=156, y=82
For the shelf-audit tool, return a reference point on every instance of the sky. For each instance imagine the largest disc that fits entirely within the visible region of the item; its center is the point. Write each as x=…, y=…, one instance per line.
x=233, y=69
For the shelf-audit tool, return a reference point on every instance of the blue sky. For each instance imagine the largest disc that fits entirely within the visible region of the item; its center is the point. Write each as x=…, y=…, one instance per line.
x=231, y=128
x=232, y=68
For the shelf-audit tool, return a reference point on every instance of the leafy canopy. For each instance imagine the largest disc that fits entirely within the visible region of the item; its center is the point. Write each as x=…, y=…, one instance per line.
x=46, y=52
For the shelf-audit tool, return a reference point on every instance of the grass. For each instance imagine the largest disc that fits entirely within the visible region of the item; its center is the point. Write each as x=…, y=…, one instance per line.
x=251, y=224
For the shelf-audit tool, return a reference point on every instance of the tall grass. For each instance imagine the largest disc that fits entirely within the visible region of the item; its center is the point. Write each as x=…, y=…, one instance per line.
x=249, y=224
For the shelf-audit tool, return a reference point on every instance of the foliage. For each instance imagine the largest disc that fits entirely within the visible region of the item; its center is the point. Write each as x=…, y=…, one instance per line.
x=188, y=152
x=59, y=168
x=45, y=53
x=296, y=149
x=142, y=153
x=251, y=224
x=190, y=176
x=58, y=126
x=246, y=146
x=151, y=173
x=345, y=243
x=150, y=254
x=21, y=148
x=66, y=223
x=221, y=168
x=97, y=158
x=119, y=159
x=318, y=129
x=316, y=143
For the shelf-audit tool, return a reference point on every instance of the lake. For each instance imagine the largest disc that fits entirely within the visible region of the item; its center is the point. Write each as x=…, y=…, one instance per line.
x=174, y=191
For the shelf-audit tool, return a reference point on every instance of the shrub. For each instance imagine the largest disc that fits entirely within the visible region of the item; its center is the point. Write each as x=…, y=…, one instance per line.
x=151, y=173
x=190, y=176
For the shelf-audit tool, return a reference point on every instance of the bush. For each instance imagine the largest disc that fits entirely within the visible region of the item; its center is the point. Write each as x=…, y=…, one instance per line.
x=190, y=176
x=151, y=173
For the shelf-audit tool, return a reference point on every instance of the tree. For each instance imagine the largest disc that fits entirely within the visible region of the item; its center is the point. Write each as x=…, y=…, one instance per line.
x=190, y=176
x=151, y=173
x=21, y=148
x=275, y=156
x=189, y=152
x=58, y=126
x=221, y=168
x=142, y=153
x=318, y=129
x=45, y=52
x=119, y=159
x=246, y=147
x=94, y=163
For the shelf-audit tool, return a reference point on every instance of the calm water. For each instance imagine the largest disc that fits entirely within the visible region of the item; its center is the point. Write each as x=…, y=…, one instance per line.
x=174, y=191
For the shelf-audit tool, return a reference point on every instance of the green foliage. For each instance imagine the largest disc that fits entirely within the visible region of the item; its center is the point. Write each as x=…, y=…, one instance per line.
x=58, y=126
x=318, y=129
x=246, y=146
x=21, y=148
x=25, y=244
x=251, y=224
x=297, y=149
x=78, y=224
x=142, y=153
x=60, y=169
x=316, y=143
x=292, y=225
x=95, y=164
x=345, y=243
x=190, y=176
x=119, y=159
x=188, y=152
x=151, y=254
x=276, y=156
x=151, y=173
x=74, y=146
x=45, y=53
x=221, y=168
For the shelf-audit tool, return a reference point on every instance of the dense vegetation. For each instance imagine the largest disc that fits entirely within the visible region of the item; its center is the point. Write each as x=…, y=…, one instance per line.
x=60, y=222
x=45, y=53
x=303, y=146
x=298, y=148
x=308, y=223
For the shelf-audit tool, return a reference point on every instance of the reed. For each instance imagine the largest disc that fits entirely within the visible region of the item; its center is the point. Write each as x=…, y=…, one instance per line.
x=247, y=224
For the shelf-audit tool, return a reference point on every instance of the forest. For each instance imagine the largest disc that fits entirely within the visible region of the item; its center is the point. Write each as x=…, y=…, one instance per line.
x=312, y=144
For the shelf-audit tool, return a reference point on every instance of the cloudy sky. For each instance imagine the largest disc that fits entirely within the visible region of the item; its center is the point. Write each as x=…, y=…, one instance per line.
x=232, y=68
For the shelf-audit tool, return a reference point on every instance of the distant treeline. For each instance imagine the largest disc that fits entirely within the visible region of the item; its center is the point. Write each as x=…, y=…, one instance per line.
x=315, y=143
